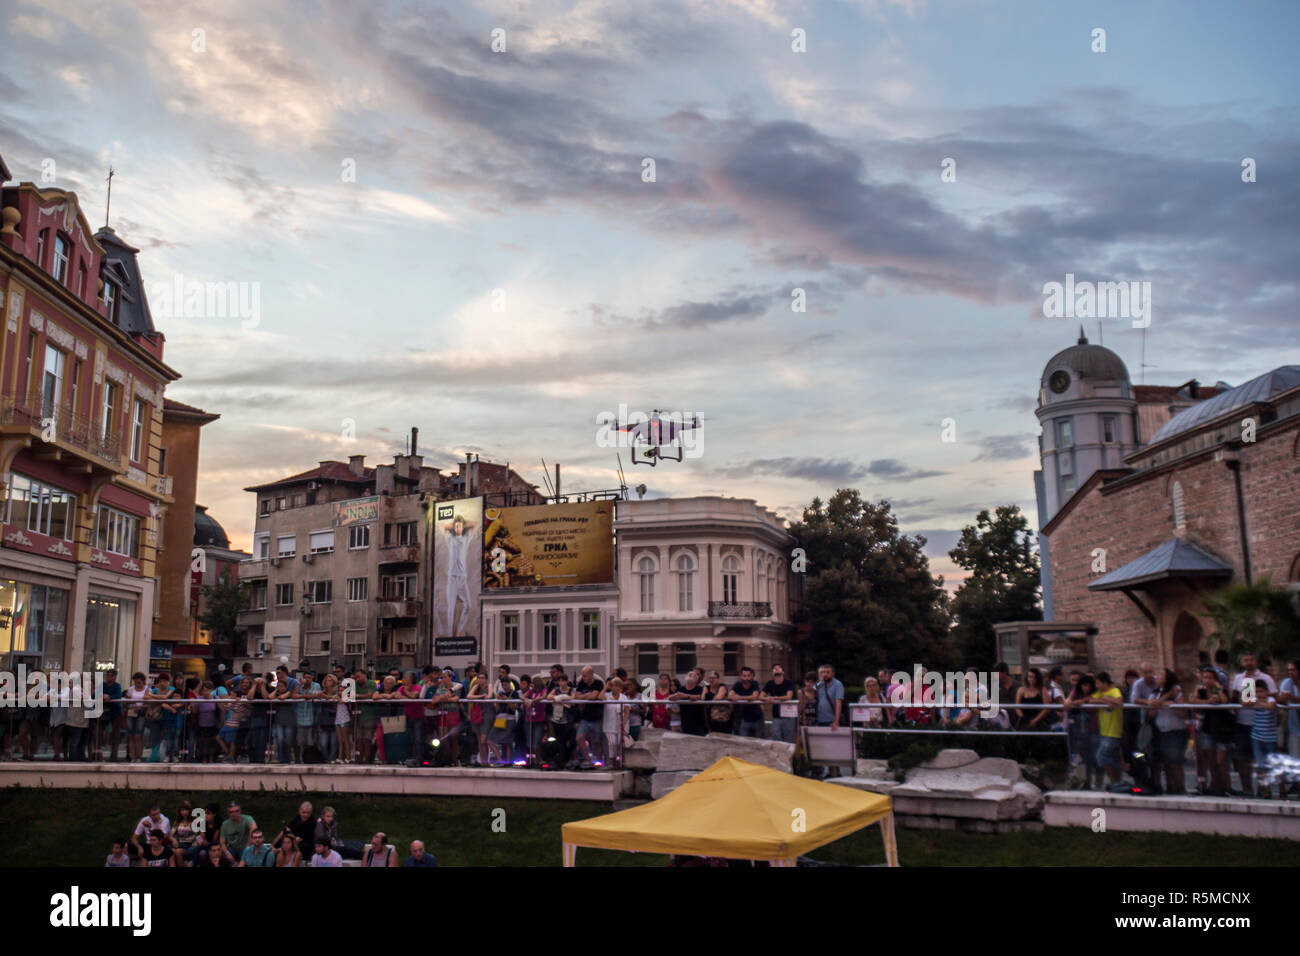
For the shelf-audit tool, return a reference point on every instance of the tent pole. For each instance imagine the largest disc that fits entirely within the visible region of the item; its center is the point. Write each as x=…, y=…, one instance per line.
x=891, y=846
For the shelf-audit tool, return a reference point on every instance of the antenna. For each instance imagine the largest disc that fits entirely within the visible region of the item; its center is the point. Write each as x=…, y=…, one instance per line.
x=622, y=482
x=108, y=202
x=1101, y=335
x=546, y=479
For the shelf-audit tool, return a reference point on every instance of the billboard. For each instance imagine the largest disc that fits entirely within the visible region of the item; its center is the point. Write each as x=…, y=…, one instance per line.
x=457, y=558
x=548, y=545
x=356, y=511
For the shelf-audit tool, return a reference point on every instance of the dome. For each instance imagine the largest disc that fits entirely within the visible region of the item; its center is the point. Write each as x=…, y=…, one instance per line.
x=1088, y=361
x=207, y=533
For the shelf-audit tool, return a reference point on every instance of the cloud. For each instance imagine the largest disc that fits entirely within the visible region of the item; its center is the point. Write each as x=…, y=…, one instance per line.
x=825, y=471
x=891, y=469
x=1004, y=447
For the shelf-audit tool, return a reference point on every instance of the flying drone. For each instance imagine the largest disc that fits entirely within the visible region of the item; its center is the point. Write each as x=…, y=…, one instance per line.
x=658, y=436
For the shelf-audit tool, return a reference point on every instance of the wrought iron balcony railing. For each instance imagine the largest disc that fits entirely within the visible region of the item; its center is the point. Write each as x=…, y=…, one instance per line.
x=58, y=421
x=747, y=610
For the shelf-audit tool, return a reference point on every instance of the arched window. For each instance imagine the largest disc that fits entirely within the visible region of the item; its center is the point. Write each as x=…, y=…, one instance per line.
x=760, y=579
x=730, y=578
x=62, y=254
x=1180, y=512
x=685, y=582
x=646, y=572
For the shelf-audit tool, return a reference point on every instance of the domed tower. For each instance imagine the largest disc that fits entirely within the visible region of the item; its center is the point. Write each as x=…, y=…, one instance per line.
x=207, y=532
x=1087, y=411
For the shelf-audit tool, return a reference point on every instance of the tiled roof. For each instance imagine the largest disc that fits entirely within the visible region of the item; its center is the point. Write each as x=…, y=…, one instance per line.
x=1175, y=558
x=327, y=471
x=1258, y=389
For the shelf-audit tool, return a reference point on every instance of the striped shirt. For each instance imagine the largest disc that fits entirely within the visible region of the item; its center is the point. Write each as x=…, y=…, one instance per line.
x=1265, y=726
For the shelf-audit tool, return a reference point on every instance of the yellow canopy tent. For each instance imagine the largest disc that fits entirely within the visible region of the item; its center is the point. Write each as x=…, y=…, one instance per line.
x=738, y=810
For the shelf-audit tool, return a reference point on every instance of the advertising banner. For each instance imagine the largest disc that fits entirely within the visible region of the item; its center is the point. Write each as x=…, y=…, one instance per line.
x=356, y=511
x=457, y=560
x=549, y=545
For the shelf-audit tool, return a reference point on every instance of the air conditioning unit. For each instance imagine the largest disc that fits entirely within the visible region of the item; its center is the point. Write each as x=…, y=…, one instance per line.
x=265, y=646
x=306, y=558
x=275, y=562
x=305, y=610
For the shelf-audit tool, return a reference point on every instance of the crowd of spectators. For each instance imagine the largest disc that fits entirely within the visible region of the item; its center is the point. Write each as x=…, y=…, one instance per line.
x=204, y=837
x=436, y=716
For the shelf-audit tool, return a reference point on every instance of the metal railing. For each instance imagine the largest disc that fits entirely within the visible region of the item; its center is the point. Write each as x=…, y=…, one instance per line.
x=740, y=609
x=79, y=431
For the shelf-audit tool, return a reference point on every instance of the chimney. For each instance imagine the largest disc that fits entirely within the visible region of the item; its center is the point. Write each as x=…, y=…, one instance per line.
x=415, y=437
x=357, y=464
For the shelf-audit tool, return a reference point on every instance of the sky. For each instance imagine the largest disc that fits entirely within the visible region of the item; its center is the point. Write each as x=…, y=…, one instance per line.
x=443, y=235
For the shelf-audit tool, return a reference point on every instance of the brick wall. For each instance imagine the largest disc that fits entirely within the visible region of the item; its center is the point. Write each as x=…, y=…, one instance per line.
x=1132, y=516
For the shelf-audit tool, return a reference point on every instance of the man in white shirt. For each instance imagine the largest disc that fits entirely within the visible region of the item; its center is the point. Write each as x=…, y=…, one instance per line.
x=325, y=855
x=156, y=820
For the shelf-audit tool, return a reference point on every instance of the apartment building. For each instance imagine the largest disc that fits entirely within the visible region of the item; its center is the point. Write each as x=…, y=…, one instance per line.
x=81, y=394
x=342, y=560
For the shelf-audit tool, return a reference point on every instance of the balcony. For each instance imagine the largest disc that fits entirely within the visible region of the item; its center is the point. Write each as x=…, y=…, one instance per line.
x=58, y=426
x=399, y=554
x=740, y=610
x=397, y=607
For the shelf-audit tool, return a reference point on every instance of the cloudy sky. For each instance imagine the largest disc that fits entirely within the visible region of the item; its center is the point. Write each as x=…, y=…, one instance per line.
x=522, y=171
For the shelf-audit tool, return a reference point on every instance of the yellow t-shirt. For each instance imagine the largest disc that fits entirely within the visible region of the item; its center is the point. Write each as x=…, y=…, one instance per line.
x=1111, y=720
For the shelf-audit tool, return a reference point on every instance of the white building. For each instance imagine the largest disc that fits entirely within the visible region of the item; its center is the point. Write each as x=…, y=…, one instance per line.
x=702, y=581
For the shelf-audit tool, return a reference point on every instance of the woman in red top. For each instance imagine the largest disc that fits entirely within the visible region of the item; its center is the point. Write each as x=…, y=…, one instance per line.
x=659, y=712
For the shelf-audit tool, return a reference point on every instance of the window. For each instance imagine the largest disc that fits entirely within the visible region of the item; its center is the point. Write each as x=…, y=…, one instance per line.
x=397, y=587
x=257, y=595
x=286, y=545
x=358, y=589
x=280, y=645
x=137, y=431
x=730, y=578
x=685, y=582
x=358, y=537
x=731, y=659
x=41, y=239
x=405, y=533
x=354, y=642
x=647, y=659
x=318, y=642
x=590, y=630
x=683, y=658
x=283, y=595
x=117, y=532
x=1067, y=487
x=81, y=281
x=62, y=253
x=760, y=584
x=261, y=546
x=110, y=410
x=111, y=299
x=646, y=572
x=299, y=500
x=1180, y=509
x=1064, y=433
x=510, y=632
x=322, y=542
x=281, y=504
x=265, y=506
x=76, y=386
x=42, y=508
x=1108, y=429
x=550, y=631
x=52, y=382
x=320, y=592
x=33, y=342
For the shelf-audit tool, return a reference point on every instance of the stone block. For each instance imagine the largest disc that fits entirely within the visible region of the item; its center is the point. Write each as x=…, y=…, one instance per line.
x=950, y=759
x=688, y=752
x=662, y=783
x=873, y=769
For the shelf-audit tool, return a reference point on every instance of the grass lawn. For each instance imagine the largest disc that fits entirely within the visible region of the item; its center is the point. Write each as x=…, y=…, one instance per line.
x=77, y=828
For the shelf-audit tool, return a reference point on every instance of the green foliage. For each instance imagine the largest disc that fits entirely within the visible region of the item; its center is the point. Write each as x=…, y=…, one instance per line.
x=870, y=599
x=1003, y=584
x=223, y=601
x=1256, y=617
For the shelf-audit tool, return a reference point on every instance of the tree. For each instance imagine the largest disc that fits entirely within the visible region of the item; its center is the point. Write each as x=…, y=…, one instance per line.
x=1003, y=585
x=870, y=598
x=1256, y=617
x=222, y=603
